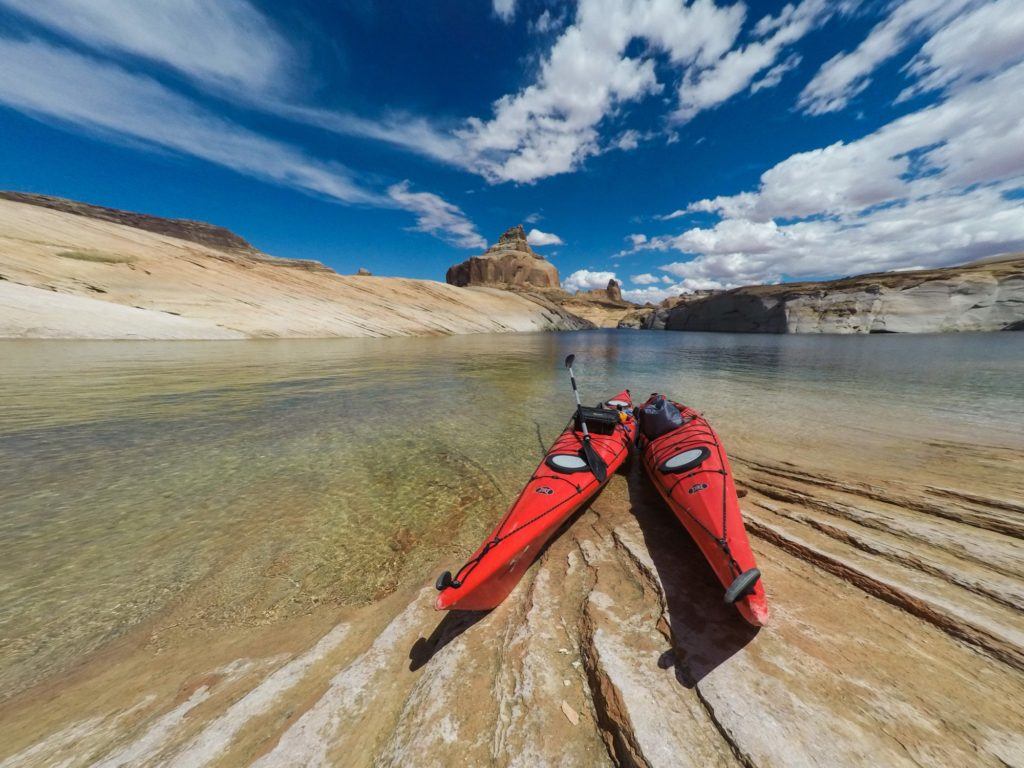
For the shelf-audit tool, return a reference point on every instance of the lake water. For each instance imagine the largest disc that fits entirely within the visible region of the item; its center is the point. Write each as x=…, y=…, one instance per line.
x=255, y=481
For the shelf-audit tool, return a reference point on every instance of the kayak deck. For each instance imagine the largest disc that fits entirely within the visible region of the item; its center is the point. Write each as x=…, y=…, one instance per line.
x=689, y=467
x=556, y=490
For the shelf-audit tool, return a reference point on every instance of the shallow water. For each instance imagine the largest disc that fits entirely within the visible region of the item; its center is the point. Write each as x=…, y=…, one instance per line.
x=252, y=481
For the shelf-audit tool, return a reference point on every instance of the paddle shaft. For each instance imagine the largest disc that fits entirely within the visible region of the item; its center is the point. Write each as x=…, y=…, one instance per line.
x=579, y=406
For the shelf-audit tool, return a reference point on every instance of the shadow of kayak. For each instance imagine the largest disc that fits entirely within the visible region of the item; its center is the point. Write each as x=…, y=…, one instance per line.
x=456, y=622
x=705, y=630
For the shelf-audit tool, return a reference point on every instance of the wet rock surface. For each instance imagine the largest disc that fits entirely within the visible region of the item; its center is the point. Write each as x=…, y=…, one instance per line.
x=896, y=639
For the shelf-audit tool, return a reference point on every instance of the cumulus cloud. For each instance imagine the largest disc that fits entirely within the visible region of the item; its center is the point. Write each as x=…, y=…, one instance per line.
x=637, y=239
x=645, y=279
x=705, y=88
x=931, y=188
x=845, y=75
x=585, y=280
x=551, y=126
x=538, y=238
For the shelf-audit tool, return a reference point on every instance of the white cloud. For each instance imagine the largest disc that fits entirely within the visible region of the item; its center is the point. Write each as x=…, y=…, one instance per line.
x=927, y=189
x=586, y=280
x=546, y=22
x=637, y=239
x=538, y=238
x=974, y=45
x=703, y=89
x=533, y=218
x=505, y=10
x=438, y=217
x=645, y=279
x=628, y=140
x=774, y=75
x=551, y=126
x=73, y=90
x=232, y=49
x=847, y=74
x=225, y=43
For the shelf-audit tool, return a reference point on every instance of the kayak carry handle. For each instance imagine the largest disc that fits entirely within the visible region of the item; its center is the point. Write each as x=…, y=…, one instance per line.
x=741, y=585
x=444, y=581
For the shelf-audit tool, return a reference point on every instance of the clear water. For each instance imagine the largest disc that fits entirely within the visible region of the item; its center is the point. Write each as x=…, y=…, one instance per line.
x=250, y=481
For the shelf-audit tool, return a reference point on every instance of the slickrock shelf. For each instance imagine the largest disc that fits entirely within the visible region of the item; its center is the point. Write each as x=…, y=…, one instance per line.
x=896, y=639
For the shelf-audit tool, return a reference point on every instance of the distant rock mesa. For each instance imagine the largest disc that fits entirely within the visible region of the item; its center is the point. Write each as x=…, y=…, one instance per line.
x=509, y=263
x=986, y=295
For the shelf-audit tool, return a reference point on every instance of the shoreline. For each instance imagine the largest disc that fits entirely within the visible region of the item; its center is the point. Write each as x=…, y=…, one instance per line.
x=613, y=608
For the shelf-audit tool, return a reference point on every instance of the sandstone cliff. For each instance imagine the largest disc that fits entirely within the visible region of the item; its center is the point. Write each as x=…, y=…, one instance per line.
x=71, y=270
x=981, y=296
x=509, y=263
x=604, y=307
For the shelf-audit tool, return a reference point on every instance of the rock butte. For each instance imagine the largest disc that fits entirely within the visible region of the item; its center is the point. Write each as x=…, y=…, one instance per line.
x=71, y=270
x=509, y=263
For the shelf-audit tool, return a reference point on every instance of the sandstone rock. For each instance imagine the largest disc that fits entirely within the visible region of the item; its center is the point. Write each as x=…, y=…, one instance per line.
x=509, y=263
x=69, y=270
x=614, y=291
x=183, y=229
x=981, y=296
x=364, y=272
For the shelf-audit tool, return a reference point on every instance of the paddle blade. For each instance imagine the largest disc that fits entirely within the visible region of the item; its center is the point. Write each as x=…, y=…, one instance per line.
x=569, y=361
x=595, y=462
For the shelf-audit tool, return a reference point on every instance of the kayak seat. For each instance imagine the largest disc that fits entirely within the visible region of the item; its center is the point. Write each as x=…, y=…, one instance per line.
x=600, y=421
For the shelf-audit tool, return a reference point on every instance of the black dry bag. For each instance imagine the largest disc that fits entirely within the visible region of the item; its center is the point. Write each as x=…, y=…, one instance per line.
x=659, y=417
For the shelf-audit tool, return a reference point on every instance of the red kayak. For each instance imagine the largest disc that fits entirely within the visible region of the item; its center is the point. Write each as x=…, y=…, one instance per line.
x=562, y=484
x=688, y=466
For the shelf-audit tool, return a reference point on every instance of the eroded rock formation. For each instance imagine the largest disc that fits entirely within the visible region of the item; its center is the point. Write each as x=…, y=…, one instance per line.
x=981, y=296
x=509, y=263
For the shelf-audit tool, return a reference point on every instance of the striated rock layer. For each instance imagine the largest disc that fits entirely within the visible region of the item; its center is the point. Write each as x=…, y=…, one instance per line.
x=897, y=639
x=509, y=263
x=69, y=270
x=981, y=296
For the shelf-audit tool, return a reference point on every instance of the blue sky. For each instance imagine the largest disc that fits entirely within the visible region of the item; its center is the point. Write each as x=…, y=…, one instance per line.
x=674, y=145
